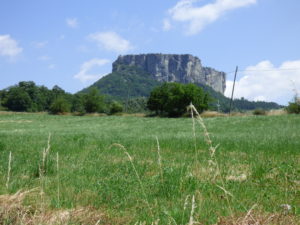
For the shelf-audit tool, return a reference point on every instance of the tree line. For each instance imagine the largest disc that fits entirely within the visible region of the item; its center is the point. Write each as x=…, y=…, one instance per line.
x=26, y=96
x=169, y=99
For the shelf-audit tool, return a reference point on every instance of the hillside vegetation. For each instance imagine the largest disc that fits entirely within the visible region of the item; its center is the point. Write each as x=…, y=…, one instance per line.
x=128, y=82
x=129, y=170
x=131, y=83
x=129, y=88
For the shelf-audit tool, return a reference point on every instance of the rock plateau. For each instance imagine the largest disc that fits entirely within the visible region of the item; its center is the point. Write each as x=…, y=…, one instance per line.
x=174, y=68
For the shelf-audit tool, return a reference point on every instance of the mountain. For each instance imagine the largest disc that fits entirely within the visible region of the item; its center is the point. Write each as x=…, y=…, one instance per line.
x=127, y=82
x=174, y=68
x=134, y=77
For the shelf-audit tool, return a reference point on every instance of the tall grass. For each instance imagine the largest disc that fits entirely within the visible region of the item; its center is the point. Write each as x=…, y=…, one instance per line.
x=238, y=170
x=58, y=186
x=212, y=150
x=8, y=170
x=137, y=175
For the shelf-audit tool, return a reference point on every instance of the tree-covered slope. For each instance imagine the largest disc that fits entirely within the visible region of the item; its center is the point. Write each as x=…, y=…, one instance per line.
x=129, y=82
x=222, y=103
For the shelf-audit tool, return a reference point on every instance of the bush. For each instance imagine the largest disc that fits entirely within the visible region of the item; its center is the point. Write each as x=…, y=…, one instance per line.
x=115, y=107
x=59, y=106
x=259, y=112
x=93, y=101
x=294, y=107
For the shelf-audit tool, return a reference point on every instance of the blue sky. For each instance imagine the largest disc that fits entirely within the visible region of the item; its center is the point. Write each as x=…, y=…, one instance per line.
x=73, y=43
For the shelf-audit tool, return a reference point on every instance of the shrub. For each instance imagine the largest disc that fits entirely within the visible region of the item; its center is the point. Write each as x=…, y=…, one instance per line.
x=93, y=101
x=115, y=107
x=59, y=106
x=294, y=107
x=259, y=112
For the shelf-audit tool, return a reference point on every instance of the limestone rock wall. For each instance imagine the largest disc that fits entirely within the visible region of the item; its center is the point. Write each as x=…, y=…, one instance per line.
x=175, y=68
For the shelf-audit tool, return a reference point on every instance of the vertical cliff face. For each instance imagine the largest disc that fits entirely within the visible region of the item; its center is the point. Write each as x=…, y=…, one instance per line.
x=215, y=79
x=174, y=68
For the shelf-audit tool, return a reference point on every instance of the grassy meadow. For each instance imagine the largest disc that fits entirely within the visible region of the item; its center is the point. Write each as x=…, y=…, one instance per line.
x=139, y=170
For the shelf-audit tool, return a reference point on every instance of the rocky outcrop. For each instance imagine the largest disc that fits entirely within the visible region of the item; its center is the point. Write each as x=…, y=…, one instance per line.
x=174, y=68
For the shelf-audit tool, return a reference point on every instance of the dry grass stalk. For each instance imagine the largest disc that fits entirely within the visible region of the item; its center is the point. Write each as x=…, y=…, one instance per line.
x=11, y=207
x=225, y=191
x=191, y=221
x=249, y=214
x=8, y=170
x=44, y=156
x=159, y=160
x=156, y=222
x=209, y=114
x=252, y=218
x=194, y=130
x=240, y=178
x=42, y=171
x=12, y=211
x=184, y=207
x=170, y=218
x=186, y=202
x=136, y=173
x=58, y=188
x=212, y=150
x=200, y=121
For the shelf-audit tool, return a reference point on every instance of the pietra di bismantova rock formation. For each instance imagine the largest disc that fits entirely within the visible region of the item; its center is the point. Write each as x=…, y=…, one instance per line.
x=174, y=68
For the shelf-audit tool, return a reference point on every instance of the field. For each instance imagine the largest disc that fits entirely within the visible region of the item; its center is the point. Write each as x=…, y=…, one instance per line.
x=137, y=170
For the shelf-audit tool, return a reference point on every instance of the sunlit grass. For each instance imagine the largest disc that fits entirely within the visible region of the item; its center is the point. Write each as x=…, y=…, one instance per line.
x=258, y=159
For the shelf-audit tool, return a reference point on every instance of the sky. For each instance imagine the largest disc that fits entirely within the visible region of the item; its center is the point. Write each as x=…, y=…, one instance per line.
x=72, y=43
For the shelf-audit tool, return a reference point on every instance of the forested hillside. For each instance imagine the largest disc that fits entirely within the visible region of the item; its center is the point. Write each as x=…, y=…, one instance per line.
x=132, y=83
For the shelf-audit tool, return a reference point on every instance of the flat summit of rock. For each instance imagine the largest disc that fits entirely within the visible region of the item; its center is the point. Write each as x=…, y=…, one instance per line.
x=184, y=68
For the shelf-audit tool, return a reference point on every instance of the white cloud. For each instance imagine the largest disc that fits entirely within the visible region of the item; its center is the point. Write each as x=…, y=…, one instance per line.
x=72, y=22
x=197, y=17
x=166, y=25
x=266, y=82
x=84, y=73
x=9, y=47
x=111, y=41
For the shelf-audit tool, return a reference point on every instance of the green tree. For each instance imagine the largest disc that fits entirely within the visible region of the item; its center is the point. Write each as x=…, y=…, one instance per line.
x=59, y=106
x=2, y=99
x=57, y=91
x=171, y=99
x=197, y=96
x=294, y=107
x=33, y=92
x=93, y=101
x=27, y=96
x=18, y=100
x=40, y=97
x=43, y=99
x=115, y=107
x=136, y=105
x=78, y=104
